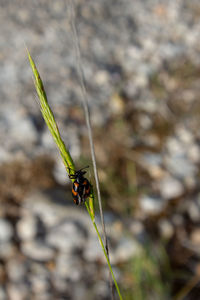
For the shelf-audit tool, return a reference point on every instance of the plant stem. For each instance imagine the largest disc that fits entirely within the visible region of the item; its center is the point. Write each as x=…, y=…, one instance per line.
x=87, y=116
x=104, y=250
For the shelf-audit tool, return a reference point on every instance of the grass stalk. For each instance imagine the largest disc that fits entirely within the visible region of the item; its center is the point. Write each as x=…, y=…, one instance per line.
x=105, y=252
x=89, y=127
x=65, y=154
x=49, y=117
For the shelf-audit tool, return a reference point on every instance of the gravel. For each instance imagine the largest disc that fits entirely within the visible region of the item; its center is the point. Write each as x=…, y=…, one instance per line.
x=129, y=48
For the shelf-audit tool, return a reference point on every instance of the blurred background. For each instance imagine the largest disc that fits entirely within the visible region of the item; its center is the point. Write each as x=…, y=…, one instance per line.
x=142, y=65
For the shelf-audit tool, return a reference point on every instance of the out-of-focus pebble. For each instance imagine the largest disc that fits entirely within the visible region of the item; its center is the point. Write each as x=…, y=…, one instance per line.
x=125, y=250
x=166, y=229
x=37, y=251
x=151, y=205
x=27, y=227
x=67, y=237
x=6, y=231
x=170, y=187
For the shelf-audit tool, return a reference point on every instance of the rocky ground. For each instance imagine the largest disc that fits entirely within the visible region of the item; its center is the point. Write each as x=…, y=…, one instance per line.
x=142, y=65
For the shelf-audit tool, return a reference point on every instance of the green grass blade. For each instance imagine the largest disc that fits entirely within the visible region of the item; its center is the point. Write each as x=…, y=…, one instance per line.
x=49, y=117
x=104, y=251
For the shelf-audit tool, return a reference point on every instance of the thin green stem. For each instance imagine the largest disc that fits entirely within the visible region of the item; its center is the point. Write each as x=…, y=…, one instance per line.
x=104, y=251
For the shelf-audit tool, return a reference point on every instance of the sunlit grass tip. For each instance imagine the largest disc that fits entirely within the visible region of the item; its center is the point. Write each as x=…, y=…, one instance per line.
x=49, y=117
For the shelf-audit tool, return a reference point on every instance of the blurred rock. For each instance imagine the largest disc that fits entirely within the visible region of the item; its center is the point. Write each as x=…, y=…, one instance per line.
x=151, y=140
x=93, y=251
x=61, y=284
x=52, y=207
x=22, y=130
x=177, y=220
x=194, y=153
x=151, y=205
x=152, y=163
x=174, y=146
x=66, y=237
x=2, y=293
x=138, y=230
x=193, y=210
x=170, y=188
x=125, y=250
x=18, y=291
x=185, y=135
x=37, y=250
x=195, y=238
x=59, y=172
x=166, y=229
x=6, y=231
x=40, y=205
x=180, y=166
x=69, y=267
x=17, y=269
x=101, y=289
x=39, y=285
x=7, y=250
x=5, y=155
x=27, y=227
x=145, y=122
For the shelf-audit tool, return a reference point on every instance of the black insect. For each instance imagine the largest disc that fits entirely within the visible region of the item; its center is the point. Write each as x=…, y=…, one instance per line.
x=81, y=187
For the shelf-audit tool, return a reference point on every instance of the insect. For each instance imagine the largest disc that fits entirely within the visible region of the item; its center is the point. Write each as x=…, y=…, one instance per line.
x=81, y=186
